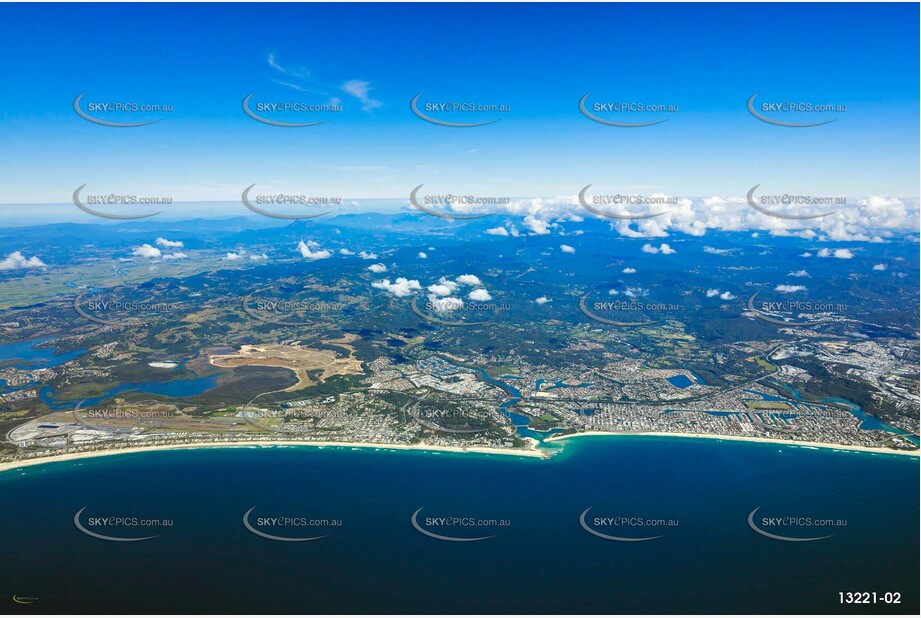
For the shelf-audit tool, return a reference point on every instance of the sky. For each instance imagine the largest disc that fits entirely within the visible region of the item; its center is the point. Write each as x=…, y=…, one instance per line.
x=539, y=60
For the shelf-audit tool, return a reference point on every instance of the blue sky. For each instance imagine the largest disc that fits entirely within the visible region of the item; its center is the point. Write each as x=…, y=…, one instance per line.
x=538, y=59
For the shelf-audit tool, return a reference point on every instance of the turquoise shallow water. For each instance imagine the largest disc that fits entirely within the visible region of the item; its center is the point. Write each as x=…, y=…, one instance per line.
x=542, y=561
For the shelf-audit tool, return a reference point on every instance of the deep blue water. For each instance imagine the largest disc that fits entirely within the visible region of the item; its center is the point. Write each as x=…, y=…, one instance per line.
x=544, y=562
x=518, y=420
x=866, y=421
x=170, y=388
x=680, y=381
x=558, y=384
x=31, y=357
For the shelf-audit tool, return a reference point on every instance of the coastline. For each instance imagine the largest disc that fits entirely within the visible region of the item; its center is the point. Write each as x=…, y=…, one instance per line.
x=531, y=451
x=703, y=436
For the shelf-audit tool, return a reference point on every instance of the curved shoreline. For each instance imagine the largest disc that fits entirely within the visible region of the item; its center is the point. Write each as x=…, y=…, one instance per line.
x=532, y=451
x=133, y=450
x=704, y=436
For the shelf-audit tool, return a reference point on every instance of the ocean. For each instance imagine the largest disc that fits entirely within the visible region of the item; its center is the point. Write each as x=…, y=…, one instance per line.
x=692, y=498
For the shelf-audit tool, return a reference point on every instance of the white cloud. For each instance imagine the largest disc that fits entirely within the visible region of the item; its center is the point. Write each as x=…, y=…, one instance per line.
x=367, y=255
x=422, y=255
x=541, y=300
x=715, y=251
x=178, y=255
x=401, y=287
x=567, y=249
x=497, y=231
x=232, y=256
x=444, y=287
x=636, y=292
x=299, y=72
x=146, y=251
x=841, y=254
x=307, y=253
x=446, y=305
x=875, y=219
x=377, y=268
x=807, y=254
x=629, y=271
x=172, y=244
x=879, y=267
x=538, y=227
x=17, y=261
x=480, y=294
x=787, y=289
x=259, y=257
x=664, y=249
x=346, y=252
x=723, y=295
x=798, y=273
x=360, y=90
x=469, y=280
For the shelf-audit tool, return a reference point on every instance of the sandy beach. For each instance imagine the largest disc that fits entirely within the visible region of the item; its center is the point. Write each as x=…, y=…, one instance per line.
x=822, y=445
x=532, y=451
x=37, y=461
